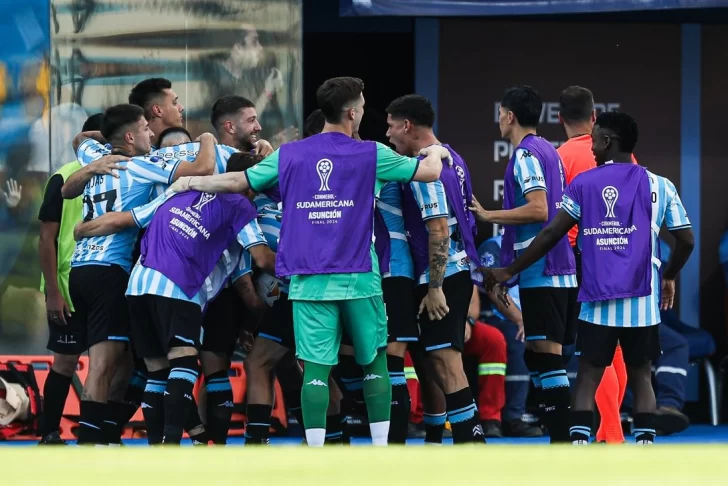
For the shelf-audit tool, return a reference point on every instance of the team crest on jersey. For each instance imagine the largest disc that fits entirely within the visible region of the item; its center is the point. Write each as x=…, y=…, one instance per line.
x=324, y=167
x=488, y=259
x=204, y=199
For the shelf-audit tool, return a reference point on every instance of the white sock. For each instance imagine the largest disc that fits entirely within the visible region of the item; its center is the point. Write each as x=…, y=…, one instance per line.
x=380, y=433
x=315, y=437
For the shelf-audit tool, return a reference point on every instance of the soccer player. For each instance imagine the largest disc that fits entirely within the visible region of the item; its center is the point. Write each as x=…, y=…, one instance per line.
x=441, y=234
x=187, y=236
x=236, y=123
x=100, y=266
x=66, y=338
x=534, y=184
x=162, y=108
x=620, y=207
x=329, y=182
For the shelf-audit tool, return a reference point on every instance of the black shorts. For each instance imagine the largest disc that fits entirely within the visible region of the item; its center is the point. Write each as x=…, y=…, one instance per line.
x=596, y=344
x=160, y=323
x=69, y=339
x=97, y=293
x=401, y=307
x=222, y=322
x=549, y=313
x=448, y=332
x=277, y=324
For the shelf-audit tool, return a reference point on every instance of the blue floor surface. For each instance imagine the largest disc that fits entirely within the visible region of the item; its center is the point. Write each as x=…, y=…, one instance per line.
x=697, y=434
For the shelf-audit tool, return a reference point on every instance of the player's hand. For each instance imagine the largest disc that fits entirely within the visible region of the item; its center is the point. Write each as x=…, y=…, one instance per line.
x=501, y=293
x=520, y=333
x=435, y=303
x=207, y=136
x=668, y=294
x=180, y=185
x=440, y=150
x=15, y=191
x=264, y=148
x=246, y=339
x=478, y=211
x=57, y=308
x=468, y=331
x=108, y=164
x=494, y=276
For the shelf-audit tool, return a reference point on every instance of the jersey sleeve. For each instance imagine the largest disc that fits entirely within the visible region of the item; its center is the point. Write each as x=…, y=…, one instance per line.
x=570, y=201
x=251, y=235
x=89, y=151
x=154, y=171
x=394, y=167
x=244, y=267
x=490, y=254
x=675, y=215
x=528, y=172
x=51, y=210
x=143, y=214
x=431, y=199
x=264, y=174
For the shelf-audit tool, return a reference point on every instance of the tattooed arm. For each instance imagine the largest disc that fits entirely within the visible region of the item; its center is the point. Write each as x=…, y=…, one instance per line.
x=439, y=243
x=246, y=290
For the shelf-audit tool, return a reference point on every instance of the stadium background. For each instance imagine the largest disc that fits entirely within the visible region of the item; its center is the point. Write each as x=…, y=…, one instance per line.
x=63, y=60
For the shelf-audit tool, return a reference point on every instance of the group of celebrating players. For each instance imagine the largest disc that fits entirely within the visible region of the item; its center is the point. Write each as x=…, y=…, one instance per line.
x=333, y=253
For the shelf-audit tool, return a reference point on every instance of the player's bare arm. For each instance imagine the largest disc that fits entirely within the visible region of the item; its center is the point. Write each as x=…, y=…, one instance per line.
x=541, y=244
x=106, y=224
x=439, y=244
x=56, y=306
x=204, y=163
x=684, y=244
x=534, y=211
x=264, y=258
x=430, y=167
x=246, y=290
x=230, y=182
x=106, y=165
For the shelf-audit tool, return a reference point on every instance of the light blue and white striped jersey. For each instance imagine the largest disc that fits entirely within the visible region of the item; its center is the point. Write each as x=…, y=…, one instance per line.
x=667, y=208
x=262, y=201
x=145, y=280
x=105, y=193
x=187, y=152
x=431, y=198
x=529, y=176
x=91, y=150
x=221, y=276
x=269, y=219
x=389, y=204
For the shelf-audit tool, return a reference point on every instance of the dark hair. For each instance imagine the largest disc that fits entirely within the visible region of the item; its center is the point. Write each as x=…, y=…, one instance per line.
x=314, y=124
x=145, y=92
x=335, y=93
x=93, y=123
x=117, y=118
x=242, y=161
x=576, y=104
x=226, y=106
x=415, y=108
x=525, y=103
x=623, y=126
x=171, y=131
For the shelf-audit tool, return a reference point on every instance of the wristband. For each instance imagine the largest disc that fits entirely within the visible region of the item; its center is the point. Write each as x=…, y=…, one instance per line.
x=471, y=321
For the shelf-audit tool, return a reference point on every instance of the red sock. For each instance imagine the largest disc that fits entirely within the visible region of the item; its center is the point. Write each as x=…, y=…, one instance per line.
x=413, y=386
x=608, y=401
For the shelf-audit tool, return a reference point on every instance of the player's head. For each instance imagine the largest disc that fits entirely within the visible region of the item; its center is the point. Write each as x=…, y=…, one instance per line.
x=407, y=117
x=342, y=101
x=93, y=123
x=236, y=122
x=519, y=106
x=240, y=162
x=614, y=136
x=159, y=101
x=314, y=123
x=124, y=126
x=173, y=136
x=576, y=105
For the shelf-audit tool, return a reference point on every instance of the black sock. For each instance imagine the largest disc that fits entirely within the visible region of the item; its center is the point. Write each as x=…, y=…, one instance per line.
x=434, y=427
x=91, y=424
x=112, y=427
x=556, y=396
x=177, y=401
x=193, y=425
x=153, y=405
x=532, y=363
x=257, y=430
x=55, y=393
x=126, y=409
x=581, y=421
x=399, y=420
x=351, y=376
x=644, y=427
x=463, y=417
x=334, y=429
x=219, y=406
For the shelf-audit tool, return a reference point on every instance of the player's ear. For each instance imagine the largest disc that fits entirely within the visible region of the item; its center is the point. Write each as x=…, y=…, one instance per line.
x=129, y=138
x=157, y=111
x=407, y=126
x=229, y=126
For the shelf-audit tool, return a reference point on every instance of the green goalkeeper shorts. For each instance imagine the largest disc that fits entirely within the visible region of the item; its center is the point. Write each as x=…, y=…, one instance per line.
x=318, y=326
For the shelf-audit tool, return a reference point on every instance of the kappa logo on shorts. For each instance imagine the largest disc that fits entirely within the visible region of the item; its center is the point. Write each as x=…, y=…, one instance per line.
x=371, y=377
x=317, y=383
x=227, y=404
